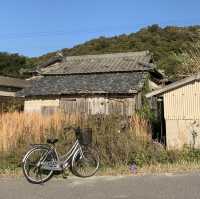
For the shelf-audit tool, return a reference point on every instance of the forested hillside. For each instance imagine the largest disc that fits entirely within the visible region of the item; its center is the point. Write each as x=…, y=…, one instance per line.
x=10, y=64
x=166, y=44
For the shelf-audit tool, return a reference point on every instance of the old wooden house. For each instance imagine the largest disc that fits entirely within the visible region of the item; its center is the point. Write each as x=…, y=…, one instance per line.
x=8, y=88
x=106, y=83
x=180, y=110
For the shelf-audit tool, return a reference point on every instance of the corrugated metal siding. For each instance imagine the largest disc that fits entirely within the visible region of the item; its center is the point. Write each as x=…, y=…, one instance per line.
x=181, y=133
x=183, y=103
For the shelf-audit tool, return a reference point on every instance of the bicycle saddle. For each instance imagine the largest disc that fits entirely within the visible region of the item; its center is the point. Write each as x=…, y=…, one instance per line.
x=52, y=141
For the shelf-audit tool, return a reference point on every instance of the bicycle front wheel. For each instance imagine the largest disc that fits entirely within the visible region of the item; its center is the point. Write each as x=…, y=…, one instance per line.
x=85, y=163
x=34, y=172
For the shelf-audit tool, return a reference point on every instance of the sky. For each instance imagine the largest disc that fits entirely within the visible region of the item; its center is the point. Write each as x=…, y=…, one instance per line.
x=35, y=27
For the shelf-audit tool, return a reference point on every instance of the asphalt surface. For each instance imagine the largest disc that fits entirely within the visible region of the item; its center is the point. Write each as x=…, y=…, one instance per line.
x=168, y=186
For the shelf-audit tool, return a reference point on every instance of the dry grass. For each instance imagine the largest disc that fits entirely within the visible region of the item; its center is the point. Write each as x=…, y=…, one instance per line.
x=140, y=127
x=158, y=169
x=120, y=141
x=31, y=127
x=115, y=137
x=181, y=167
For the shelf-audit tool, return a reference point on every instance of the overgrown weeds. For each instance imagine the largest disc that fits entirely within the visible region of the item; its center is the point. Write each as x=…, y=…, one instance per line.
x=115, y=137
x=120, y=141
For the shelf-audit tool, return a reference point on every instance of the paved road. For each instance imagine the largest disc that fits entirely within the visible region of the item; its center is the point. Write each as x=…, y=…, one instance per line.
x=141, y=187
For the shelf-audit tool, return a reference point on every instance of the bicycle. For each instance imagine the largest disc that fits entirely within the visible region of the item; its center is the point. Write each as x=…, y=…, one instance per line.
x=42, y=161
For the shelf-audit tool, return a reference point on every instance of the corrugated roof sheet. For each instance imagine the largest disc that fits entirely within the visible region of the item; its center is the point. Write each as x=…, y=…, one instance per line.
x=174, y=85
x=116, y=62
x=118, y=83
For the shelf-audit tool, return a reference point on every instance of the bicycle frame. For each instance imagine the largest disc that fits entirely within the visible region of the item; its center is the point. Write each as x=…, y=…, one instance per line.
x=73, y=150
x=63, y=161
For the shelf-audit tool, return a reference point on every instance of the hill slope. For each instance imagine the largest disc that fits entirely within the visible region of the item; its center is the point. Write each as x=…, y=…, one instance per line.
x=164, y=43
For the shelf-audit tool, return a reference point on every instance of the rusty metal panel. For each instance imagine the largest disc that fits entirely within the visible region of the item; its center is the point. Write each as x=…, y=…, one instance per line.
x=183, y=102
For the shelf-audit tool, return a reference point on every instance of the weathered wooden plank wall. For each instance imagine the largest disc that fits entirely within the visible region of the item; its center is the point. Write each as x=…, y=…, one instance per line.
x=95, y=105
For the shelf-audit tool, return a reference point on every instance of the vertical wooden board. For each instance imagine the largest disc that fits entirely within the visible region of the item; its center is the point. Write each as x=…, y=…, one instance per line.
x=138, y=101
x=131, y=106
x=68, y=105
x=99, y=105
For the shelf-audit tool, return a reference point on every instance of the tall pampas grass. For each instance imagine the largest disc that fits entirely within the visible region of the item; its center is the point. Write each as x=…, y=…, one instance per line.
x=115, y=137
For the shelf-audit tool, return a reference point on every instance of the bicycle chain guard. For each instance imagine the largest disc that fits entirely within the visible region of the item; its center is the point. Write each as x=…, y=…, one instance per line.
x=52, y=166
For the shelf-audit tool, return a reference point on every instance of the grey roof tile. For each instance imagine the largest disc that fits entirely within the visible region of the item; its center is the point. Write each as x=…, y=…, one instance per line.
x=13, y=82
x=116, y=83
x=116, y=62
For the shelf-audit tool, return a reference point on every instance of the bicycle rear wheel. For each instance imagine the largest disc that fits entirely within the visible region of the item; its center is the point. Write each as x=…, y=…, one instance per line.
x=34, y=172
x=85, y=163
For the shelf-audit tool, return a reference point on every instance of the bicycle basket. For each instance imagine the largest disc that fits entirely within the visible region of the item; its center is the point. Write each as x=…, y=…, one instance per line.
x=84, y=136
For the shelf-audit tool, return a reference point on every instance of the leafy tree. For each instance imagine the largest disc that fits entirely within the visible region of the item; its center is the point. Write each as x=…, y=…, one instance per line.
x=166, y=44
x=10, y=64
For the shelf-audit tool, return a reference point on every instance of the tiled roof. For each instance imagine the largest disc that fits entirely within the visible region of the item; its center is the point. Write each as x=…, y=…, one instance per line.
x=116, y=62
x=13, y=82
x=116, y=83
